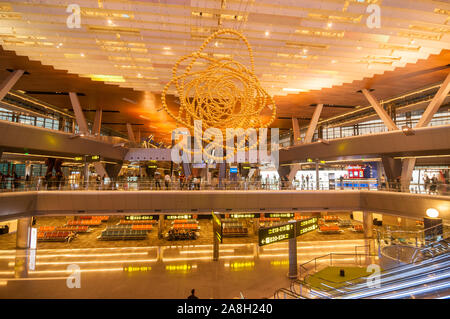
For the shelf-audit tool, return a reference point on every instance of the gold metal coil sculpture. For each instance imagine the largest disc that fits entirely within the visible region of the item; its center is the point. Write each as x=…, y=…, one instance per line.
x=226, y=94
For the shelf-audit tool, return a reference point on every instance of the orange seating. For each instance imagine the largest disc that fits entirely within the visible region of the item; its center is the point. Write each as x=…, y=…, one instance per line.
x=101, y=218
x=77, y=229
x=269, y=219
x=84, y=222
x=185, y=226
x=137, y=222
x=46, y=228
x=55, y=235
x=358, y=228
x=331, y=218
x=141, y=227
x=329, y=229
x=184, y=221
x=302, y=217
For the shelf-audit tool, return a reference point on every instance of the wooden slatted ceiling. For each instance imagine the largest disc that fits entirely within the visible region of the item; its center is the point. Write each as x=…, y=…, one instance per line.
x=146, y=110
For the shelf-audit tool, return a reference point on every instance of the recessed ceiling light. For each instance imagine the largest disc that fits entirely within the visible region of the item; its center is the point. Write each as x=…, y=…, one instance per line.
x=329, y=24
x=139, y=75
x=216, y=44
x=358, y=48
x=333, y=61
x=82, y=54
x=166, y=48
x=305, y=50
x=267, y=33
x=110, y=22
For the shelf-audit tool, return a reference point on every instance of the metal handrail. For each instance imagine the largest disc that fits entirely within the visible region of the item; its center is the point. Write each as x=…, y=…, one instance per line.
x=288, y=292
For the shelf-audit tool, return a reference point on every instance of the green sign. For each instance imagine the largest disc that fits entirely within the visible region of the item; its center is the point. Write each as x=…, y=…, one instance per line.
x=306, y=225
x=141, y=217
x=187, y=216
x=217, y=226
x=242, y=215
x=279, y=233
x=275, y=234
x=282, y=215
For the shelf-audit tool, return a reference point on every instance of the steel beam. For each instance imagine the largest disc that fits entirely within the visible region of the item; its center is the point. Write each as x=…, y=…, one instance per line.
x=9, y=82
x=380, y=111
x=79, y=116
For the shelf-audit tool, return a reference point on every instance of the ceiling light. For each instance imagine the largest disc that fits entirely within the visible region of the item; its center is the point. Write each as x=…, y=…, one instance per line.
x=293, y=90
x=216, y=44
x=407, y=130
x=267, y=33
x=166, y=48
x=110, y=22
x=358, y=48
x=333, y=61
x=329, y=24
x=82, y=54
x=305, y=51
x=139, y=75
x=432, y=212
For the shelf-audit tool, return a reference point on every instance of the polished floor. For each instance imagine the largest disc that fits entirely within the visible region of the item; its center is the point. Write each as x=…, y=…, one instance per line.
x=161, y=271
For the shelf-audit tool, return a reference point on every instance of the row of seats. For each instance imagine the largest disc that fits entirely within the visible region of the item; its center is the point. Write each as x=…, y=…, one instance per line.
x=62, y=236
x=134, y=227
x=185, y=221
x=182, y=234
x=185, y=226
x=330, y=229
x=137, y=222
x=101, y=218
x=235, y=232
x=123, y=234
x=84, y=222
x=269, y=219
x=331, y=218
x=76, y=229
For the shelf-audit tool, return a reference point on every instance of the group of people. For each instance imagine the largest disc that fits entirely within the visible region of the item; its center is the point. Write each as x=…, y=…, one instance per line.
x=189, y=183
x=15, y=180
x=430, y=184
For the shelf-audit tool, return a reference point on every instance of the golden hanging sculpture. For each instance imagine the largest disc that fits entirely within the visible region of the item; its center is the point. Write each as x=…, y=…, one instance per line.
x=226, y=94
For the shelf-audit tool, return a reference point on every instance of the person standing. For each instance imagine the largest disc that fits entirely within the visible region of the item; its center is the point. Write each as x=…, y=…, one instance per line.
x=157, y=181
x=167, y=180
x=192, y=296
x=426, y=183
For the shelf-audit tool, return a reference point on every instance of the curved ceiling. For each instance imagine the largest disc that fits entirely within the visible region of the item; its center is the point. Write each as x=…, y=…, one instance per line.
x=298, y=45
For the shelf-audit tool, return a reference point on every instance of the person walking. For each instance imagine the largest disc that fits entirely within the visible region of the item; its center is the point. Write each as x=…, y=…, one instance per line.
x=383, y=181
x=192, y=296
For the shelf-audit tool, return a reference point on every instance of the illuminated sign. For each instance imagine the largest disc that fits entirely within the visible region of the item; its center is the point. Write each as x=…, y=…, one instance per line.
x=78, y=158
x=141, y=217
x=153, y=166
x=275, y=234
x=242, y=215
x=95, y=157
x=241, y=265
x=217, y=226
x=179, y=216
x=306, y=225
x=282, y=215
x=271, y=235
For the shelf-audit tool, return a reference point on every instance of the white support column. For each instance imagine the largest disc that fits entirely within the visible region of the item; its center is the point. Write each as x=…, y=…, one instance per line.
x=368, y=224
x=23, y=233
x=130, y=133
x=296, y=130
x=380, y=111
x=435, y=103
x=97, y=121
x=409, y=163
x=81, y=121
x=9, y=82
x=313, y=124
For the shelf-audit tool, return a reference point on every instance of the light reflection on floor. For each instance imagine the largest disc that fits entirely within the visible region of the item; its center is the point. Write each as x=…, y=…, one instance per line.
x=159, y=272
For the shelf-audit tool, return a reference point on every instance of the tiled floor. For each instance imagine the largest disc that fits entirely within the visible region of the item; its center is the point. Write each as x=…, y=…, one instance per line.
x=159, y=272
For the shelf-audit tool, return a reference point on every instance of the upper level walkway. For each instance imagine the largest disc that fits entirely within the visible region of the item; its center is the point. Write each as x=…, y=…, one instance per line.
x=111, y=202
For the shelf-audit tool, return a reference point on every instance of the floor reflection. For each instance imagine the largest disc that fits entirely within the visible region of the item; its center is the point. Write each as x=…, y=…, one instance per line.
x=157, y=272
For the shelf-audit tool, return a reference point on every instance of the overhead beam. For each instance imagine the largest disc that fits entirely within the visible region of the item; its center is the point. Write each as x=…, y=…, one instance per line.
x=313, y=124
x=97, y=121
x=435, y=103
x=9, y=82
x=130, y=133
x=380, y=111
x=79, y=116
x=296, y=130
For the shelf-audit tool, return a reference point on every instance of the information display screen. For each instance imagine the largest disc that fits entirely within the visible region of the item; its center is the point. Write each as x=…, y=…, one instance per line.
x=141, y=217
x=275, y=234
x=279, y=233
x=172, y=217
x=306, y=225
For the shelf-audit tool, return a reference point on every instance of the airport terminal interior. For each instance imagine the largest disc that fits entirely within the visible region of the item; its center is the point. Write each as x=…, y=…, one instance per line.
x=248, y=149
